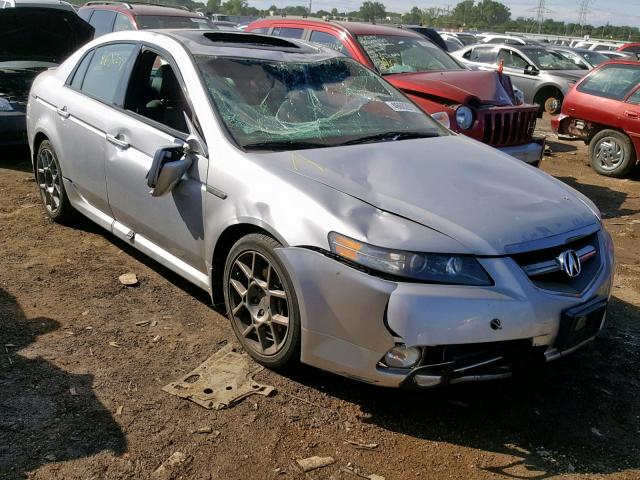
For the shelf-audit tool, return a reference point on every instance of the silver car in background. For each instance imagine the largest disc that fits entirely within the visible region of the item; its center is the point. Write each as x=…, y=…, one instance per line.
x=340, y=225
x=543, y=75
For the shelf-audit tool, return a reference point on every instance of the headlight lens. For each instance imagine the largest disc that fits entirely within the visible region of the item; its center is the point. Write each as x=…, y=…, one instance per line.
x=464, y=117
x=5, y=106
x=423, y=267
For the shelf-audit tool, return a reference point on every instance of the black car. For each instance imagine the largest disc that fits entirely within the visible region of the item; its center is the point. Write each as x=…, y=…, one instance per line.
x=32, y=39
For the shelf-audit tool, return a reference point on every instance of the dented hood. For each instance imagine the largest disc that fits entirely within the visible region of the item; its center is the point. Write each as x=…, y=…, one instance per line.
x=41, y=34
x=459, y=86
x=485, y=200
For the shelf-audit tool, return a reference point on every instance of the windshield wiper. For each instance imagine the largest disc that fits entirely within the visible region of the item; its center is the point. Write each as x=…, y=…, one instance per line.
x=390, y=137
x=282, y=145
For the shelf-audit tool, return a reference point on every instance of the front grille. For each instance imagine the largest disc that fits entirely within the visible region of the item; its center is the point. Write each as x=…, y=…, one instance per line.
x=504, y=126
x=544, y=268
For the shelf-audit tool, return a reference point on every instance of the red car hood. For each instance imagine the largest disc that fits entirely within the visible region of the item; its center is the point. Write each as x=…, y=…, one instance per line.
x=460, y=86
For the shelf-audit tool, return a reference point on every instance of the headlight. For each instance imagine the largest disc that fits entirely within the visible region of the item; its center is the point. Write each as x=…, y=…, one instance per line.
x=422, y=267
x=464, y=117
x=5, y=106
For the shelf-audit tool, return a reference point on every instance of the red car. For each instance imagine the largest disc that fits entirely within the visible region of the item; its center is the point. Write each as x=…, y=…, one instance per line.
x=479, y=104
x=630, y=48
x=112, y=16
x=603, y=109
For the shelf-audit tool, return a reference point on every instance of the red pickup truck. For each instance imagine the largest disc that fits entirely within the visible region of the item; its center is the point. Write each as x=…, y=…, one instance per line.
x=479, y=104
x=603, y=109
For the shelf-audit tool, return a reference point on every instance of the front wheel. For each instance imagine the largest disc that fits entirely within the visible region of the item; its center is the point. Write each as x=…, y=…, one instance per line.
x=261, y=302
x=612, y=153
x=553, y=104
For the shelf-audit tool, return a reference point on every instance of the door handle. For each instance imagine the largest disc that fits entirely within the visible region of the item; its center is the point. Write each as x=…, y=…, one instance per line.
x=63, y=112
x=631, y=114
x=117, y=142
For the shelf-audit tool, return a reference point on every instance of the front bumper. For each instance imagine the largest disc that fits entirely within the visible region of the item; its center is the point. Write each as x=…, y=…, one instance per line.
x=530, y=153
x=13, y=128
x=350, y=319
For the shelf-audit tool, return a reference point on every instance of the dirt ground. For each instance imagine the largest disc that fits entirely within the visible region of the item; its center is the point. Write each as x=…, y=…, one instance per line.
x=80, y=382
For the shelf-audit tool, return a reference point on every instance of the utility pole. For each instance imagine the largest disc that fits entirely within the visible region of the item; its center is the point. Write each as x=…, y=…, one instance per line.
x=540, y=14
x=583, y=13
x=310, y=7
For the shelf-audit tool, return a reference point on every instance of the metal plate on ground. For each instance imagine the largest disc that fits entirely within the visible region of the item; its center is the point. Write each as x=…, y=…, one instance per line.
x=223, y=380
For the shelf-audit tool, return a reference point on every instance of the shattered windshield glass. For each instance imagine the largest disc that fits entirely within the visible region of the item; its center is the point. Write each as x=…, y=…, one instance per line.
x=278, y=105
x=398, y=54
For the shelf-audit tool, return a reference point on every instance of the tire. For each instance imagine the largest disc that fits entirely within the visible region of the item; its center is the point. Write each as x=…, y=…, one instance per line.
x=552, y=104
x=258, y=303
x=612, y=153
x=48, y=177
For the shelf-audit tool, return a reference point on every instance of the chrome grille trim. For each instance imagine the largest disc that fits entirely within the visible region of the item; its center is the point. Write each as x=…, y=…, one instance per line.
x=550, y=266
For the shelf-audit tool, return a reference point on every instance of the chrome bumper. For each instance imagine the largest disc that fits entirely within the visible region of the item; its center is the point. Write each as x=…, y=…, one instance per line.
x=530, y=153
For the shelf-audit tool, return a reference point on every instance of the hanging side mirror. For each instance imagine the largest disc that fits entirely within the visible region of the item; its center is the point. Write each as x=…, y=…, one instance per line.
x=167, y=168
x=195, y=144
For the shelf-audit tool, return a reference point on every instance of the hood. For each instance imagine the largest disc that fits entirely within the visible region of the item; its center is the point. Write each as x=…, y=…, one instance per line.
x=459, y=86
x=41, y=34
x=485, y=200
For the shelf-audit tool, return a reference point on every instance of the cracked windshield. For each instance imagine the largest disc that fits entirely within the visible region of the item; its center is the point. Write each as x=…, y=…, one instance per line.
x=275, y=105
x=395, y=54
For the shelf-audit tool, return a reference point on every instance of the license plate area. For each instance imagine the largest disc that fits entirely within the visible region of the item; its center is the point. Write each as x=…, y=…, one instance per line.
x=580, y=323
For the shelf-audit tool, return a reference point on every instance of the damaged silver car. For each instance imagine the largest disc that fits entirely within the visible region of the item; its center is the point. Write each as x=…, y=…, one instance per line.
x=340, y=225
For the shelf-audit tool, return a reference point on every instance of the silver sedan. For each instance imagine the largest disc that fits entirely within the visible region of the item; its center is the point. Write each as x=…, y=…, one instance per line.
x=340, y=225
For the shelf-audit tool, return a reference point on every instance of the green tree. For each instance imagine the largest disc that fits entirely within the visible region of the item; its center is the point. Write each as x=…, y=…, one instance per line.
x=235, y=7
x=334, y=12
x=214, y=6
x=369, y=11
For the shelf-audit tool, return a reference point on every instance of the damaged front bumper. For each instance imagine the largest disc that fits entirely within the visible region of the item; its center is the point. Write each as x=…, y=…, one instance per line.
x=351, y=319
x=530, y=153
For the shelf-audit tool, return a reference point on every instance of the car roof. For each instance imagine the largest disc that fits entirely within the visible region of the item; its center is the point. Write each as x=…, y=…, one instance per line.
x=140, y=9
x=246, y=45
x=355, y=28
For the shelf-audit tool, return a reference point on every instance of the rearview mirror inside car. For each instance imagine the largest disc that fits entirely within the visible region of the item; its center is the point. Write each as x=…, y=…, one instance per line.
x=168, y=166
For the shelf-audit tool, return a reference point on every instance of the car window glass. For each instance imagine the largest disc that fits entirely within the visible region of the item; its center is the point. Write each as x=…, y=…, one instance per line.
x=613, y=81
x=155, y=92
x=288, y=32
x=80, y=72
x=102, y=21
x=635, y=98
x=633, y=48
x=260, y=30
x=167, y=21
x=122, y=23
x=483, y=55
x=328, y=40
x=106, y=70
x=85, y=13
x=512, y=60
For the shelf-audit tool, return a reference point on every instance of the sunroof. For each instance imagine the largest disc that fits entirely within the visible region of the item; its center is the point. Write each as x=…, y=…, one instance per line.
x=249, y=39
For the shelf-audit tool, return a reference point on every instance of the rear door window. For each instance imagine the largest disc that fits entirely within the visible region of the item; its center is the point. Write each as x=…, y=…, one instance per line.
x=481, y=55
x=612, y=81
x=105, y=75
x=102, y=21
x=288, y=32
x=85, y=14
x=122, y=23
x=328, y=40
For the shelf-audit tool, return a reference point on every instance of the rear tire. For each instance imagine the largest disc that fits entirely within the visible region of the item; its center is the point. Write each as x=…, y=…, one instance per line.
x=612, y=153
x=49, y=180
x=261, y=302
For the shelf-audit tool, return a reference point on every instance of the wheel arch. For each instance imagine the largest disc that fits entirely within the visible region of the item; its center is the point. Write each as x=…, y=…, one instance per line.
x=37, y=140
x=226, y=240
x=543, y=90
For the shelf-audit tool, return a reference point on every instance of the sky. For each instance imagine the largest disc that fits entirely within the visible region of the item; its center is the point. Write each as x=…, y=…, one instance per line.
x=615, y=12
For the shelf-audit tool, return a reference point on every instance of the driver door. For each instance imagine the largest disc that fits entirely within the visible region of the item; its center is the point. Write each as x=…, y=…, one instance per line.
x=153, y=115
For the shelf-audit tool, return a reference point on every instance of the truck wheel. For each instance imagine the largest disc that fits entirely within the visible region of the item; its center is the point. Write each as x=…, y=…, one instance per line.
x=51, y=186
x=612, y=154
x=261, y=302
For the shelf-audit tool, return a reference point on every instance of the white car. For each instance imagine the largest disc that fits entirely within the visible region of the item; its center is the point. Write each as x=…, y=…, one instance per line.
x=37, y=3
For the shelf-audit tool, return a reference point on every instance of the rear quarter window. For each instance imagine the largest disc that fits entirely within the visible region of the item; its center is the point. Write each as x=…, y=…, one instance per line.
x=288, y=32
x=612, y=81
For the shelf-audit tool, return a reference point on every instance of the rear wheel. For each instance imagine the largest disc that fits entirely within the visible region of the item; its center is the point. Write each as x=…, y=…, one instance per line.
x=49, y=180
x=612, y=153
x=261, y=302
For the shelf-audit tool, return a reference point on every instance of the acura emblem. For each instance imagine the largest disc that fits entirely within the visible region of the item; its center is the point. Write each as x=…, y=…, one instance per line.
x=570, y=263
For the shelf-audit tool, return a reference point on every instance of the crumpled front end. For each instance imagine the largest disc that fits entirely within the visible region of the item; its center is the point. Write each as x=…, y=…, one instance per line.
x=351, y=319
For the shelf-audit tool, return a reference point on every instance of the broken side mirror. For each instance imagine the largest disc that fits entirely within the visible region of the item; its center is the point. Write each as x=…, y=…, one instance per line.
x=195, y=144
x=169, y=165
x=531, y=70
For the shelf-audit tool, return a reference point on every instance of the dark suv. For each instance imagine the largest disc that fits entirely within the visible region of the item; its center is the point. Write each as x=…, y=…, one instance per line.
x=107, y=17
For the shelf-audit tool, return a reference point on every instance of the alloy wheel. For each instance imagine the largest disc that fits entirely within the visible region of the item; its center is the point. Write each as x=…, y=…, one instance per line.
x=259, y=303
x=609, y=153
x=49, y=180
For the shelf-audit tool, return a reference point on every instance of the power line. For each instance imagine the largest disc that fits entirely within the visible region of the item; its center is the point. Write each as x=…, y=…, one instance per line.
x=540, y=11
x=583, y=13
